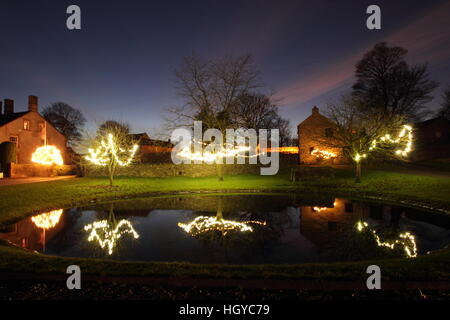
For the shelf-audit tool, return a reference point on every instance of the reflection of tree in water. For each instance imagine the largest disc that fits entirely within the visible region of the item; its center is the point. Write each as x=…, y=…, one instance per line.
x=360, y=241
x=109, y=231
x=228, y=234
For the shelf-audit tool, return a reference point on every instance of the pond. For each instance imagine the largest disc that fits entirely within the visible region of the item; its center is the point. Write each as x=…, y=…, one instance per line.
x=234, y=229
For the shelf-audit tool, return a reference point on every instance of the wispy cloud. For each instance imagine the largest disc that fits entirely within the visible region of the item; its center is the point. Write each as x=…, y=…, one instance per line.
x=427, y=39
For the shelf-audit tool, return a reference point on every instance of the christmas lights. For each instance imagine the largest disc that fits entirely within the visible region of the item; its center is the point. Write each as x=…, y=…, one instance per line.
x=47, y=220
x=107, y=234
x=205, y=224
x=325, y=155
x=47, y=155
x=109, y=151
x=214, y=156
x=406, y=132
x=407, y=240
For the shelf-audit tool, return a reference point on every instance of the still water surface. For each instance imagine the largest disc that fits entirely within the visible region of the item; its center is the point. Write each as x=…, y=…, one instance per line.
x=234, y=229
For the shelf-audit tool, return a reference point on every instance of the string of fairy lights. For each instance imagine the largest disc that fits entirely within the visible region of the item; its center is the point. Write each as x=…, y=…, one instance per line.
x=406, y=132
x=203, y=224
x=406, y=240
x=109, y=151
x=47, y=220
x=47, y=155
x=323, y=154
x=211, y=154
x=107, y=234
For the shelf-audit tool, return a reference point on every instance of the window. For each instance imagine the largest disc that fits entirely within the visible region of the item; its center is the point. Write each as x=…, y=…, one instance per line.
x=328, y=132
x=26, y=124
x=14, y=139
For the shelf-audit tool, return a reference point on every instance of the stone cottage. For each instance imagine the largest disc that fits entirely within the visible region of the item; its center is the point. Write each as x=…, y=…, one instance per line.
x=152, y=150
x=317, y=140
x=28, y=130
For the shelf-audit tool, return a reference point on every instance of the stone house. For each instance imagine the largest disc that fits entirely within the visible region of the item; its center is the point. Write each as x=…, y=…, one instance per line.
x=317, y=141
x=152, y=150
x=29, y=130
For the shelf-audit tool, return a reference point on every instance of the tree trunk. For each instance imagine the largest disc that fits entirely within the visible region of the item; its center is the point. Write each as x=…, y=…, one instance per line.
x=111, y=172
x=219, y=167
x=358, y=172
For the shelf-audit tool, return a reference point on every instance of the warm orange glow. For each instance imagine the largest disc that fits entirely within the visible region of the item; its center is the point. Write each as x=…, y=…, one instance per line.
x=287, y=150
x=47, y=155
x=47, y=220
x=325, y=155
x=319, y=209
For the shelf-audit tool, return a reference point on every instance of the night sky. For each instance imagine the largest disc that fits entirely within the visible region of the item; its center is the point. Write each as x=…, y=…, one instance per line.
x=119, y=66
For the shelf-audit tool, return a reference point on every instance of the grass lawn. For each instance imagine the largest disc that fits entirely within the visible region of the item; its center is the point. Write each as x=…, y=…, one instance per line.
x=415, y=190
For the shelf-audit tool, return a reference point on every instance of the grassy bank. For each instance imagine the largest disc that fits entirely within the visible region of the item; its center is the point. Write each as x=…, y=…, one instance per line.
x=426, y=191
x=20, y=200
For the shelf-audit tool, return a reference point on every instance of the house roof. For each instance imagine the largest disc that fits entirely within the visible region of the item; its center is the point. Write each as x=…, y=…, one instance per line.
x=5, y=119
x=432, y=122
x=144, y=139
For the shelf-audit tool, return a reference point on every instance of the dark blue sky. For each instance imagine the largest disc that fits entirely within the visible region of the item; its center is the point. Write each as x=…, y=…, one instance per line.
x=119, y=65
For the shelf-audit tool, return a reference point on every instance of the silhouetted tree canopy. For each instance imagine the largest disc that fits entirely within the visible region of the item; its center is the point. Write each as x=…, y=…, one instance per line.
x=68, y=120
x=444, y=111
x=223, y=94
x=388, y=84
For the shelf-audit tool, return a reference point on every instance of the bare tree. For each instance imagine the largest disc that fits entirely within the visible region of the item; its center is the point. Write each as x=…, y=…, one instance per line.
x=357, y=130
x=386, y=83
x=211, y=89
x=444, y=111
x=112, y=147
x=259, y=111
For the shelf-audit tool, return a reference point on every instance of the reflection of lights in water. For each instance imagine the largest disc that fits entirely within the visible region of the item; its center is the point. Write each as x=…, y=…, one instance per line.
x=407, y=240
x=107, y=236
x=47, y=220
x=47, y=155
x=204, y=224
x=319, y=209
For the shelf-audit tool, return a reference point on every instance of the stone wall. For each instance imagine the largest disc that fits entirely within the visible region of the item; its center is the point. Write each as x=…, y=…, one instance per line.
x=37, y=170
x=169, y=170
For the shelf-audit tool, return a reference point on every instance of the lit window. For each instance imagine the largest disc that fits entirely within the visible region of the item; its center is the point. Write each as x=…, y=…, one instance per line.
x=26, y=124
x=329, y=132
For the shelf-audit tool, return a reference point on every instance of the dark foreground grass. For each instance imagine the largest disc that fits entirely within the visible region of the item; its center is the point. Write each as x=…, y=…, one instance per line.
x=20, y=200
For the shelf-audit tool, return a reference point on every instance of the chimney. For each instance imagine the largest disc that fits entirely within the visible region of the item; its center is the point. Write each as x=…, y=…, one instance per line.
x=315, y=110
x=33, y=103
x=9, y=106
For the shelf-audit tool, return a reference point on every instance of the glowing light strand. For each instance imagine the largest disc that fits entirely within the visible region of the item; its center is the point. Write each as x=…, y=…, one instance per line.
x=205, y=224
x=47, y=220
x=107, y=236
x=226, y=151
x=47, y=155
x=325, y=155
x=110, y=151
x=407, y=240
x=405, y=132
